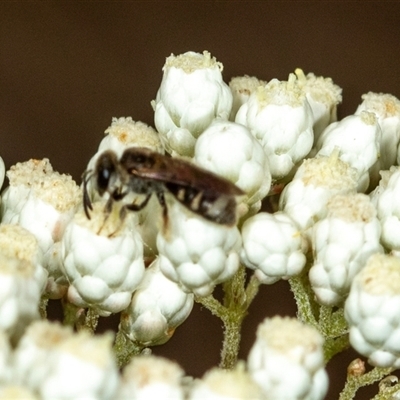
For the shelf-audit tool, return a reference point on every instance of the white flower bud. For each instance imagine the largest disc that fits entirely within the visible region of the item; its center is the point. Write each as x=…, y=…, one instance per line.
x=342, y=243
x=18, y=242
x=242, y=87
x=304, y=199
x=35, y=352
x=357, y=138
x=42, y=201
x=287, y=360
x=372, y=310
x=191, y=95
x=196, y=253
x=157, y=308
x=387, y=109
x=228, y=149
x=388, y=208
x=57, y=364
x=273, y=246
x=102, y=259
x=323, y=96
x=151, y=377
x=19, y=295
x=279, y=116
x=220, y=384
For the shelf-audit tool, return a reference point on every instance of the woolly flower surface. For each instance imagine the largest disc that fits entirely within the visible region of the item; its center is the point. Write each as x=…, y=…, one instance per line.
x=103, y=260
x=305, y=198
x=323, y=96
x=342, y=243
x=19, y=295
x=273, y=246
x=229, y=149
x=372, y=310
x=42, y=201
x=218, y=384
x=287, y=360
x=192, y=94
x=57, y=364
x=157, y=308
x=196, y=253
x=150, y=377
x=279, y=116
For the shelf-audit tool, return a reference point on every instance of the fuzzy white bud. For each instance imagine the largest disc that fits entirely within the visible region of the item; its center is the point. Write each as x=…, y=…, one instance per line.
x=279, y=116
x=192, y=94
x=102, y=259
x=287, y=360
x=372, y=310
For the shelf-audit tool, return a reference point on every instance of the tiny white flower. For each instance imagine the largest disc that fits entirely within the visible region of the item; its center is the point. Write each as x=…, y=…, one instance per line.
x=287, y=360
x=18, y=242
x=102, y=259
x=304, y=199
x=387, y=109
x=220, y=384
x=388, y=207
x=192, y=93
x=42, y=201
x=280, y=117
x=57, y=364
x=228, y=149
x=242, y=87
x=323, y=96
x=357, y=138
x=19, y=295
x=342, y=243
x=151, y=377
x=273, y=246
x=196, y=253
x=372, y=310
x=33, y=355
x=157, y=308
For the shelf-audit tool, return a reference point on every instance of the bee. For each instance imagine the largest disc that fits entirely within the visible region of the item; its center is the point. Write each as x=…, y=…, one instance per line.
x=142, y=171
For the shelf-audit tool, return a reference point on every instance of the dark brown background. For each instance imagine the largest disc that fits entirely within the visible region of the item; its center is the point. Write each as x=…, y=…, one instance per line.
x=67, y=68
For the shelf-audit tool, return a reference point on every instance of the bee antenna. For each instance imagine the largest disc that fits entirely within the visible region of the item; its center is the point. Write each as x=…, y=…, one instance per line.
x=87, y=204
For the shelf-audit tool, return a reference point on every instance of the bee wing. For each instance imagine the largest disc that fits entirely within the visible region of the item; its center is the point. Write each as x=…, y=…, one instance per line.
x=185, y=174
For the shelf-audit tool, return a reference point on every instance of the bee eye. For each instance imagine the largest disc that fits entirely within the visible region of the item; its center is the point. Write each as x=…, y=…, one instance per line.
x=105, y=169
x=103, y=178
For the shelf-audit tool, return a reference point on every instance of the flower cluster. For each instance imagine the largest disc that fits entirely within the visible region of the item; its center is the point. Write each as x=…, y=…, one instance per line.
x=146, y=237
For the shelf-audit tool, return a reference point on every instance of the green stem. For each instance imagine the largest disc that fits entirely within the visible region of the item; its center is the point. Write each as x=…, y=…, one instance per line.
x=356, y=382
x=125, y=349
x=237, y=300
x=44, y=301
